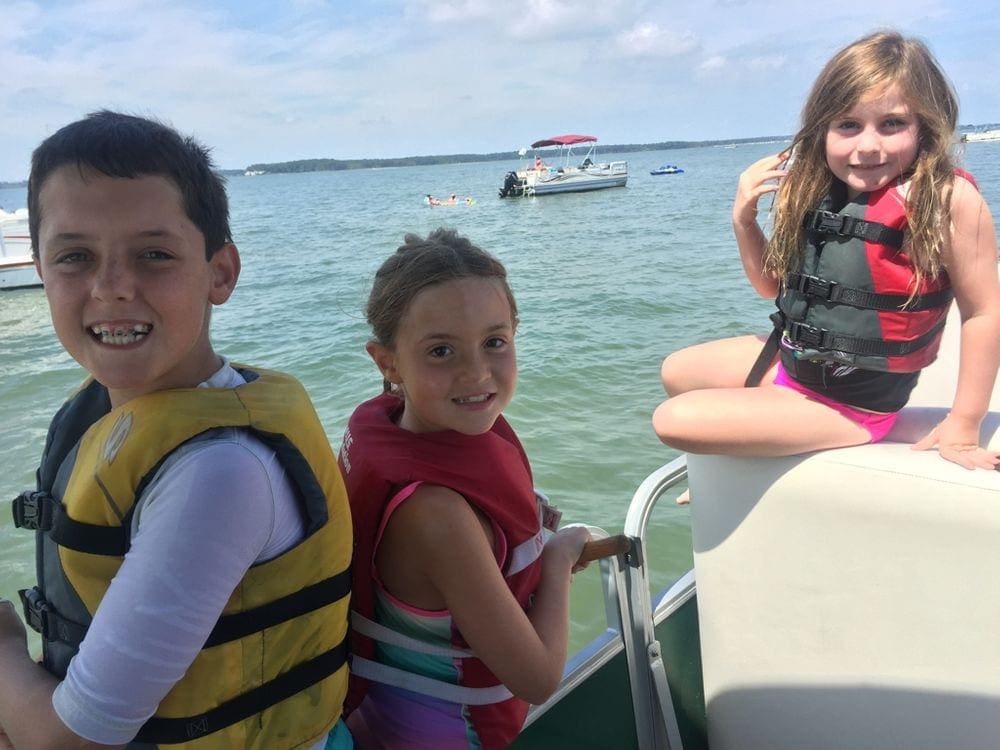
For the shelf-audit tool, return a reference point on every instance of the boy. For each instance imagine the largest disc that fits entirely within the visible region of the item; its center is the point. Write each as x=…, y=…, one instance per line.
x=193, y=536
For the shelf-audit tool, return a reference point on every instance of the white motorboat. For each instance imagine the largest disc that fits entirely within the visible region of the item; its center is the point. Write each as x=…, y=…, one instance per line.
x=17, y=268
x=544, y=179
x=992, y=134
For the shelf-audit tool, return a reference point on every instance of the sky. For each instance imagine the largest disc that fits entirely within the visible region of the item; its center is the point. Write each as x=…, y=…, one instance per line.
x=300, y=79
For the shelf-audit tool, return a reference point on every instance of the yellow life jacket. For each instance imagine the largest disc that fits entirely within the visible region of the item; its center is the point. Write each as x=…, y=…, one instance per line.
x=273, y=673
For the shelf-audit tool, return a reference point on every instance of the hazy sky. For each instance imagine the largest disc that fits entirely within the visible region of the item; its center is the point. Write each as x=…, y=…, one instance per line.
x=295, y=79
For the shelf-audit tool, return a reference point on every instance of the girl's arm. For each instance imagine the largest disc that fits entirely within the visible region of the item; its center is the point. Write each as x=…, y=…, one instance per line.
x=757, y=180
x=971, y=261
x=437, y=553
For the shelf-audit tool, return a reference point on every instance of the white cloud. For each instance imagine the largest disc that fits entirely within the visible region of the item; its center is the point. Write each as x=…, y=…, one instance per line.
x=270, y=82
x=714, y=62
x=648, y=39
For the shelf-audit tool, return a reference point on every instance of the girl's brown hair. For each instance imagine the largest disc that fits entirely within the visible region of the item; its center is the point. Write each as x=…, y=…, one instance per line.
x=872, y=63
x=419, y=263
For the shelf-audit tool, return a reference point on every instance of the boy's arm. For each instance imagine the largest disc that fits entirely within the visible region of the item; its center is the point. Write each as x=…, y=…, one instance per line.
x=163, y=602
x=971, y=261
x=26, y=714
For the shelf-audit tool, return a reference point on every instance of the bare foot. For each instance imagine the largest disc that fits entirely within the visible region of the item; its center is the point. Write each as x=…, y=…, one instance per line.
x=684, y=498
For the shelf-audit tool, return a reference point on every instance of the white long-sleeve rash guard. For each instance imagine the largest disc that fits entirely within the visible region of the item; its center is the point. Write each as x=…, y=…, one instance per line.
x=215, y=507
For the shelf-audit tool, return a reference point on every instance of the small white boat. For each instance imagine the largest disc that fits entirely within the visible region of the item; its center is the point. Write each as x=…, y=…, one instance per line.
x=666, y=169
x=544, y=179
x=982, y=135
x=17, y=267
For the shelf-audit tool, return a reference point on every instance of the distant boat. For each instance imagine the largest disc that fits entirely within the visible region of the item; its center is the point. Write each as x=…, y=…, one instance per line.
x=666, y=169
x=982, y=135
x=17, y=266
x=542, y=179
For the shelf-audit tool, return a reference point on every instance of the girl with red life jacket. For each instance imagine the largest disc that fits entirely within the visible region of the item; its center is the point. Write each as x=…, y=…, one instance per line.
x=460, y=606
x=874, y=232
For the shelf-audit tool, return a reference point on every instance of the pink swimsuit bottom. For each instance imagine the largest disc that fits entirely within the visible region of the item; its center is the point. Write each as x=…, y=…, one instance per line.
x=877, y=424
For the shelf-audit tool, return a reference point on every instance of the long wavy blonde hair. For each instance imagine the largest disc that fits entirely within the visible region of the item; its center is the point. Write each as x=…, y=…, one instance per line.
x=873, y=63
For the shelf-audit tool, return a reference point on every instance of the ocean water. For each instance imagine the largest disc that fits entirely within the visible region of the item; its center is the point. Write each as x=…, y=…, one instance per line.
x=607, y=283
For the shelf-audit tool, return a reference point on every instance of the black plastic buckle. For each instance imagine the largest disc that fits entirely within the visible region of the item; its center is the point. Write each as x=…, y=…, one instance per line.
x=826, y=222
x=33, y=510
x=814, y=286
x=800, y=333
x=36, y=611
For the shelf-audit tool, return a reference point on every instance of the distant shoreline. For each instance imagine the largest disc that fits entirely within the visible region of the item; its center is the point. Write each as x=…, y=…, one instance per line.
x=337, y=165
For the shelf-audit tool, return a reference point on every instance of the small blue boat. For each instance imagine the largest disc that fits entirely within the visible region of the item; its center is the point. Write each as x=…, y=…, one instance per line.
x=666, y=169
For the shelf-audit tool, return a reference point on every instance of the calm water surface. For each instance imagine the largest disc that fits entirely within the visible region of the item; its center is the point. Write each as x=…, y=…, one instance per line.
x=607, y=283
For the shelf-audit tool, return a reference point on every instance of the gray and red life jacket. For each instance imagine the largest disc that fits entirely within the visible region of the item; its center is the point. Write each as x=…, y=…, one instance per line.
x=847, y=309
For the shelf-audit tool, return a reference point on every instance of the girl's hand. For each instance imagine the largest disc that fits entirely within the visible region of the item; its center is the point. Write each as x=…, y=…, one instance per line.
x=958, y=442
x=564, y=547
x=758, y=179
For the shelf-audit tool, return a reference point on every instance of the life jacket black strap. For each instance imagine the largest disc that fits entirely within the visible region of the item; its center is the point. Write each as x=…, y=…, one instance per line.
x=767, y=353
x=820, y=338
x=161, y=730
x=45, y=620
x=827, y=222
x=38, y=510
x=831, y=291
x=235, y=626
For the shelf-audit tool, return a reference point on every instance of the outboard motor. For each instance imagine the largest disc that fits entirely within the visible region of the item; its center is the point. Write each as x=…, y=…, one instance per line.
x=512, y=186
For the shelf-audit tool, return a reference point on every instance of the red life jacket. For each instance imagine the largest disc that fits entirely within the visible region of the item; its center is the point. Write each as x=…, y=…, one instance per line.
x=491, y=472
x=847, y=303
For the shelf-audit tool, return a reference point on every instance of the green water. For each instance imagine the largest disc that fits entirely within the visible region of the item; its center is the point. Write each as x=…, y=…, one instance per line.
x=607, y=283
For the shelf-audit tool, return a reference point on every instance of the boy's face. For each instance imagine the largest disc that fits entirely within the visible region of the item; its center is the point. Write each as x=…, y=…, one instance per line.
x=127, y=281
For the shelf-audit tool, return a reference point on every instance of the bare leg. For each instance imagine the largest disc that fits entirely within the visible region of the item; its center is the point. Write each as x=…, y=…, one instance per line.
x=715, y=364
x=764, y=421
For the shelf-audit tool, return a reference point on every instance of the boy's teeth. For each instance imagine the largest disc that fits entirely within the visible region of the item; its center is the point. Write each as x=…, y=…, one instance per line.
x=120, y=334
x=472, y=399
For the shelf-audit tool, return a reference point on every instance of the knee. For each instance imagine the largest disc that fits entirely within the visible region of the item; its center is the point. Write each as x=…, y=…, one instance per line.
x=674, y=374
x=674, y=422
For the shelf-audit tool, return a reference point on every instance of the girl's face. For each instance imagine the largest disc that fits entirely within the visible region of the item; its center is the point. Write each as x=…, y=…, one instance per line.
x=874, y=142
x=453, y=357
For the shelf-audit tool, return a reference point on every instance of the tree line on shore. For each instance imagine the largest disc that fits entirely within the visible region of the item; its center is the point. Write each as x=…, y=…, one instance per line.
x=327, y=165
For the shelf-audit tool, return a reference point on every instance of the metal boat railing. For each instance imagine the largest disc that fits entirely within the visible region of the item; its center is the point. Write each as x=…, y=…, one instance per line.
x=655, y=720
x=631, y=616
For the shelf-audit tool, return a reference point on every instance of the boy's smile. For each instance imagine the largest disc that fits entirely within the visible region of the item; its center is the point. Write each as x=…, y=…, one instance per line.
x=128, y=284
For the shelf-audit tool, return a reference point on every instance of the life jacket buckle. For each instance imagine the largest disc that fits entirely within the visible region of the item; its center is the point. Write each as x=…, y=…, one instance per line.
x=800, y=333
x=814, y=286
x=33, y=510
x=43, y=618
x=36, y=611
x=826, y=222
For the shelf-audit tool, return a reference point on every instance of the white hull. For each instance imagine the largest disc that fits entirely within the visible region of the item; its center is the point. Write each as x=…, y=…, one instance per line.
x=983, y=135
x=528, y=182
x=17, y=268
x=572, y=180
x=16, y=274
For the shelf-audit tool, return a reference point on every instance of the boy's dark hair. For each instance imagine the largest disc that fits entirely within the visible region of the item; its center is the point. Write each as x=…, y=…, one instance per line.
x=120, y=145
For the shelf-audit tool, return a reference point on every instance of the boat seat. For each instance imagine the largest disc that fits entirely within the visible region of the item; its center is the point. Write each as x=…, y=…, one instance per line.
x=849, y=598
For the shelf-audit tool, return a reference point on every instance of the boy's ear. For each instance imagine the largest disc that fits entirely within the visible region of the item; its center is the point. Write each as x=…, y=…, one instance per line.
x=225, y=269
x=385, y=360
